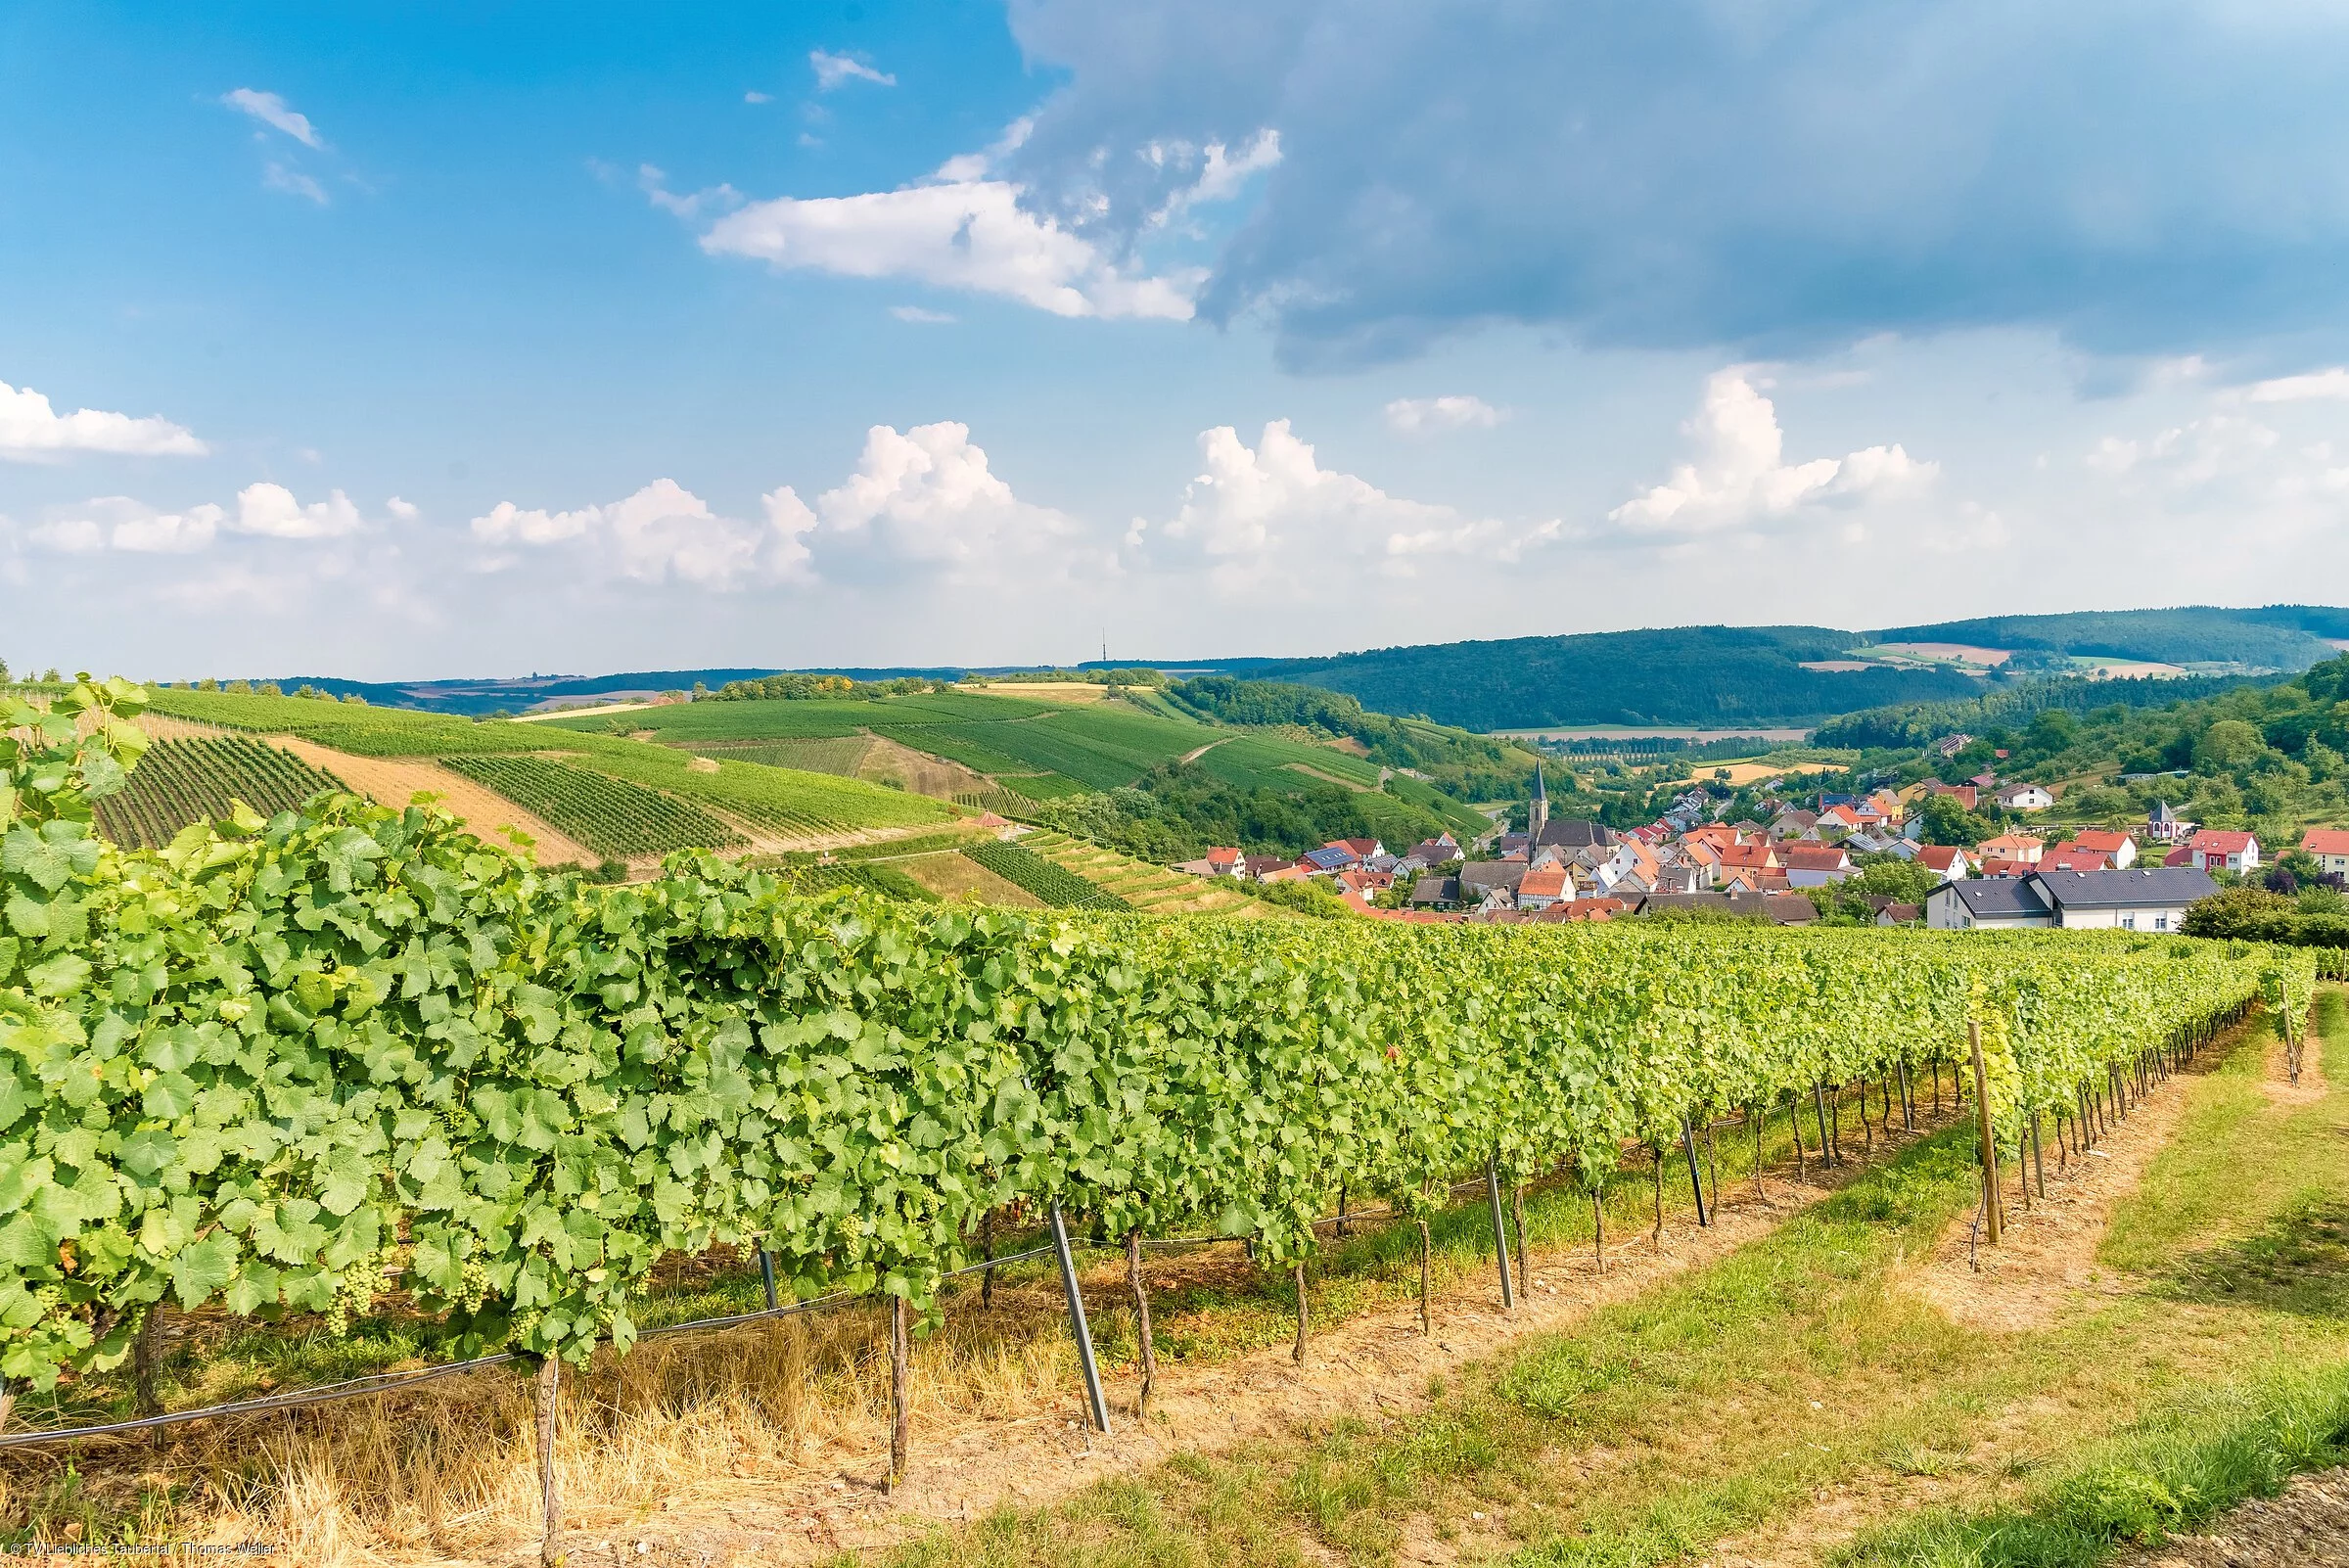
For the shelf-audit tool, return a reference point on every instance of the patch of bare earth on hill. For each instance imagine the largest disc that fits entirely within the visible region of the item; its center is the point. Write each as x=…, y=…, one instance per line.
x=1378, y=1365
x=395, y=781
x=2306, y=1527
x=918, y=772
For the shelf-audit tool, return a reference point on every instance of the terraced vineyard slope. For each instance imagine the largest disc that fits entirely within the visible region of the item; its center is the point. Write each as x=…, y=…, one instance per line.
x=1152, y=888
x=1055, y=885
x=194, y=779
x=607, y=814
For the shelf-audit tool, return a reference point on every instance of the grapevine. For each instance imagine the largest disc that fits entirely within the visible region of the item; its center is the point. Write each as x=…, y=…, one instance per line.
x=254, y=1068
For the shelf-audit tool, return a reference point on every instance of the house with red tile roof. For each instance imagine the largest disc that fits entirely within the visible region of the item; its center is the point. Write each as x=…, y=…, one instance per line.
x=1946, y=860
x=2074, y=857
x=1223, y=862
x=2120, y=849
x=1749, y=857
x=2013, y=847
x=1542, y=888
x=1815, y=865
x=2223, y=850
x=2330, y=846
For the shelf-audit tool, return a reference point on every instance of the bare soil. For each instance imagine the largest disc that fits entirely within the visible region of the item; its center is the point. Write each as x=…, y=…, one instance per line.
x=2307, y=1527
x=393, y=781
x=918, y=772
x=953, y=875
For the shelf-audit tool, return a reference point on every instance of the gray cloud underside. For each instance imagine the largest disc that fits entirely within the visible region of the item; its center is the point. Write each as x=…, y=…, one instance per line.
x=2141, y=178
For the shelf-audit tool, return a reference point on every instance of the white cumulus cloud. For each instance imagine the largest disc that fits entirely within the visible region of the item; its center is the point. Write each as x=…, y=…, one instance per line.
x=1270, y=519
x=918, y=316
x=1428, y=416
x=2331, y=384
x=1739, y=476
x=927, y=497
x=31, y=431
x=838, y=70
x=956, y=233
x=272, y=110
x=921, y=503
x=263, y=511
x=271, y=510
x=661, y=532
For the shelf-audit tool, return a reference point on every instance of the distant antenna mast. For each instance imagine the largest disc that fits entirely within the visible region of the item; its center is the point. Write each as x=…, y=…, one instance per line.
x=1105, y=645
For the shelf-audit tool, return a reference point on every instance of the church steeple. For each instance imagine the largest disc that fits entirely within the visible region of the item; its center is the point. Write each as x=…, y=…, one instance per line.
x=1537, y=814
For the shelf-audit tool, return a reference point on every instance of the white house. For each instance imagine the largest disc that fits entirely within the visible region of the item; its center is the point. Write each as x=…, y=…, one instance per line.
x=2330, y=848
x=2147, y=898
x=2120, y=849
x=2025, y=797
x=1991, y=904
x=2144, y=899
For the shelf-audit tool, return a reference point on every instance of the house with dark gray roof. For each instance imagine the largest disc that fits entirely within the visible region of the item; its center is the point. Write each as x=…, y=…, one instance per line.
x=1575, y=833
x=1988, y=904
x=1435, y=891
x=2143, y=897
x=2140, y=898
x=1480, y=877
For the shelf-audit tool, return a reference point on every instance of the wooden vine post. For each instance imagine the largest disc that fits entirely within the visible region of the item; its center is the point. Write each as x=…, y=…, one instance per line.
x=1147, y=1347
x=1297, y=1354
x=1525, y=1253
x=550, y=1494
x=147, y=1362
x=900, y=1390
x=1427, y=1249
x=1989, y=1141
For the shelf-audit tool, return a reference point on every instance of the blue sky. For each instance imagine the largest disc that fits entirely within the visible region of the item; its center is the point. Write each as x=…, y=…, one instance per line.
x=431, y=340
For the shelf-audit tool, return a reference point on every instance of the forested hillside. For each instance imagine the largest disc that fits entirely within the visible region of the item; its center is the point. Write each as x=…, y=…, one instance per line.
x=2281, y=637
x=1681, y=676
x=2272, y=757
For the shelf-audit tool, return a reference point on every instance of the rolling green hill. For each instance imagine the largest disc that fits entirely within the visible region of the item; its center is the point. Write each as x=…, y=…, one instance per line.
x=2279, y=637
x=776, y=800
x=1043, y=752
x=1685, y=675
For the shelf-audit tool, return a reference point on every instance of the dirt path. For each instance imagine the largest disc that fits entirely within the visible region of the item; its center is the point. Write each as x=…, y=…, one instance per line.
x=1197, y=752
x=2307, y=1527
x=391, y=781
x=2043, y=1269
x=1378, y=1365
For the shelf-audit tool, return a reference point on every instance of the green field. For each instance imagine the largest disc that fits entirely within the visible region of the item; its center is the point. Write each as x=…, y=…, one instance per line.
x=782, y=765
x=180, y=782
x=780, y=800
x=1040, y=749
x=607, y=814
x=691, y=722
x=837, y=756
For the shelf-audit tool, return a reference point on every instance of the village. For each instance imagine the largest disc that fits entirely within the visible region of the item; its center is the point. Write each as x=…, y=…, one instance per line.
x=1789, y=869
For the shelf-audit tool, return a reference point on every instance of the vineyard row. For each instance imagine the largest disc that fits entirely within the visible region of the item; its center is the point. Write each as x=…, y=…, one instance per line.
x=260, y=1071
